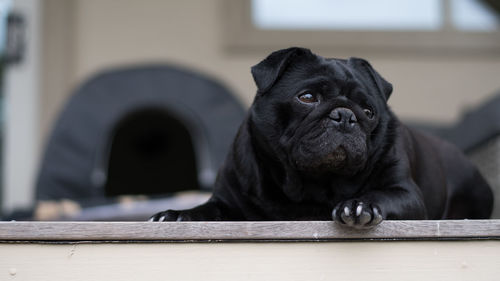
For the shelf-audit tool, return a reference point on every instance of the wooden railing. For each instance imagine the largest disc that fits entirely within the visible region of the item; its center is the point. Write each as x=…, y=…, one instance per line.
x=394, y=250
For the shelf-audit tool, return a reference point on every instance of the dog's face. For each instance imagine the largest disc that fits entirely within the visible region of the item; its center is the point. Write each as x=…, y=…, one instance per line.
x=320, y=116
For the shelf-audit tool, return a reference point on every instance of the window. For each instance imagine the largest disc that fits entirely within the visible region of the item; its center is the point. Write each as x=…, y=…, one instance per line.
x=403, y=15
x=384, y=25
x=346, y=15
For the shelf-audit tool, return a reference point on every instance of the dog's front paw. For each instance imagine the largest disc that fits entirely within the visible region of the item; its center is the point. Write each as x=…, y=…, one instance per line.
x=357, y=214
x=169, y=215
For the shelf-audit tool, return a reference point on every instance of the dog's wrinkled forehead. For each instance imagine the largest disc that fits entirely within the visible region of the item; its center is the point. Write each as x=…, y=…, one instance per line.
x=311, y=74
x=322, y=69
x=338, y=69
x=303, y=64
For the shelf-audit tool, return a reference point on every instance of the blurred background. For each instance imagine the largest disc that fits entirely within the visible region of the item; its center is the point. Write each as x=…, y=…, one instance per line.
x=116, y=109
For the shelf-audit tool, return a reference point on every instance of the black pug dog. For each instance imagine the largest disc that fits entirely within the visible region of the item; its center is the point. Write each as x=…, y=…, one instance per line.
x=319, y=141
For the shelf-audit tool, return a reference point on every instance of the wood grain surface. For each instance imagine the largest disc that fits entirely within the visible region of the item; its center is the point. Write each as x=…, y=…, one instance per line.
x=229, y=231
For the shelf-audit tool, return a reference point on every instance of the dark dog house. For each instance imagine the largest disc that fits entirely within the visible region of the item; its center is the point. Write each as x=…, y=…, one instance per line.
x=150, y=130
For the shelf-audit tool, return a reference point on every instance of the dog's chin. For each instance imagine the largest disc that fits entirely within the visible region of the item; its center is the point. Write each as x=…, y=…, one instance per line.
x=344, y=158
x=333, y=162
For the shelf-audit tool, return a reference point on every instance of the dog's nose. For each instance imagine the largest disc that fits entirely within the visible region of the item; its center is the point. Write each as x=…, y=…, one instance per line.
x=343, y=116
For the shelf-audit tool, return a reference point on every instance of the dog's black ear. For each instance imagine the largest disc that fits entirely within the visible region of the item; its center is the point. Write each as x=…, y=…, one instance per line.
x=267, y=72
x=367, y=71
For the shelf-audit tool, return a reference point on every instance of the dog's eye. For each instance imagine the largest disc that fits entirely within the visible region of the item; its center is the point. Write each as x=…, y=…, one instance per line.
x=308, y=97
x=368, y=112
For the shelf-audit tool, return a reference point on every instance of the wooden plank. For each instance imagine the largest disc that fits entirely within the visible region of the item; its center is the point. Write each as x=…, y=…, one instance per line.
x=345, y=260
x=227, y=231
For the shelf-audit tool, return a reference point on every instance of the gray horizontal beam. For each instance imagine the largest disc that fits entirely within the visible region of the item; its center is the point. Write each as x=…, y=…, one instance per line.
x=245, y=231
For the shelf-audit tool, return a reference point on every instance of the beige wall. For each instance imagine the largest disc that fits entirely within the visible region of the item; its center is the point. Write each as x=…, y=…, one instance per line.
x=328, y=261
x=92, y=35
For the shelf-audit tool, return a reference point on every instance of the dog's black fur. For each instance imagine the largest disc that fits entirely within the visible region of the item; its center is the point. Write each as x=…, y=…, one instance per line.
x=320, y=141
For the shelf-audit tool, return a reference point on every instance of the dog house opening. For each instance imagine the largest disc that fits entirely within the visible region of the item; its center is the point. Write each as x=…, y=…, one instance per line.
x=151, y=153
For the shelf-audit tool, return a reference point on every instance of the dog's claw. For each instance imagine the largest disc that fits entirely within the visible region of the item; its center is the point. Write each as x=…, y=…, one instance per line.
x=347, y=211
x=346, y=218
x=169, y=215
x=359, y=209
x=377, y=217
